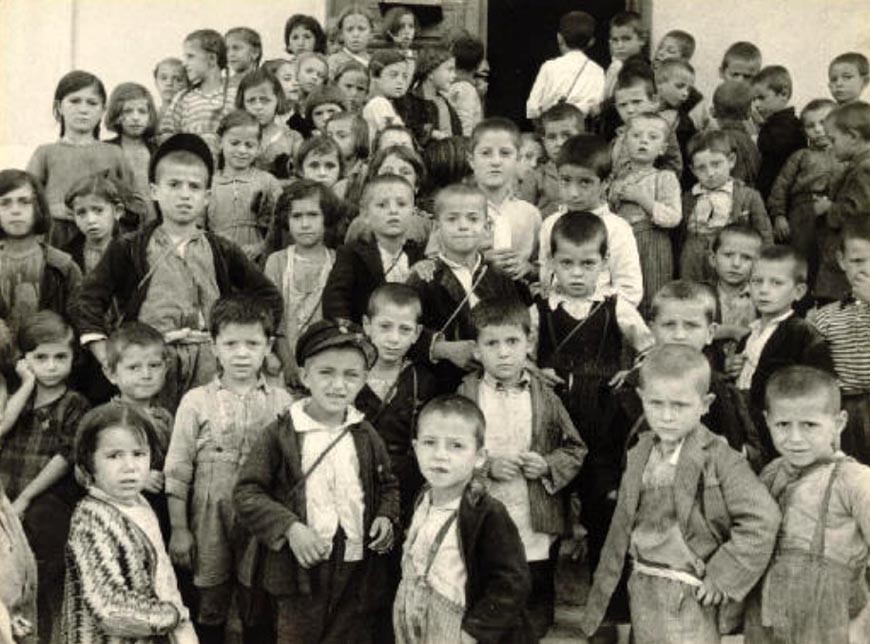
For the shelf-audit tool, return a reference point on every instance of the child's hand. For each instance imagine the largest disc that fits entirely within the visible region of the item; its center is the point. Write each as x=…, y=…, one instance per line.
x=465, y=638
x=308, y=548
x=734, y=364
x=382, y=535
x=25, y=372
x=708, y=594
x=21, y=627
x=507, y=260
x=534, y=466
x=182, y=548
x=504, y=469
x=425, y=269
x=781, y=229
x=821, y=205
x=176, y=335
x=154, y=482
x=459, y=352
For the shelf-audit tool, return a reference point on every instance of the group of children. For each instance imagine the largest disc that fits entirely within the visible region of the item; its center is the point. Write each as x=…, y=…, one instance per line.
x=315, y=351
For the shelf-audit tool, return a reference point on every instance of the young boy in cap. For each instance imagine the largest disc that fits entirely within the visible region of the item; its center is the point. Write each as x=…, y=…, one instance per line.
x=170, y=273
x=317, y=490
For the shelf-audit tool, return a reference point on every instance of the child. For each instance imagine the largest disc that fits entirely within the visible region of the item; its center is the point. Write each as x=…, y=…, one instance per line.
x=169, y=78
x=716, y=201
x=79, y=102
x=211, y=96
x=319, y=159
x=285, y=71
x=814, y=589
x=849, y=129
x=311, y=74
x=244, y=52
x=681, y=106
x=351, y=134
x=243, y=197
x=300, y=262
x=463, y=96
x=698, y=526
x=778, y=338
x=531, y=152
x=648, y=199
x=169, y=275
x=318, y=488
x=400, y=26
x=464, y=576
x=354, y=27
x=352, y=78
x=627, y=39
x=848, y=75
x=321, y=105
x=395, y=135
x=806, y=177
x=215, y=427
x=33, y=275
x=120, y=585
x=732, y=103
x=18, y=588
x=842, y=325
x=573, y=77
x=675, y=45
x=389, y=81
x=780, y=133
x=360, y=267
x=584, y=165
x=435, y=72
x=37, y=431
x=741, y=62
x=98, y=208
x=303, y=33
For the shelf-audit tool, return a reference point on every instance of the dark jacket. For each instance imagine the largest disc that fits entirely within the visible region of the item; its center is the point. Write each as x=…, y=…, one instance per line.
x=747, y=208
x=61, y=281
x=779, y=136
x=747, y=159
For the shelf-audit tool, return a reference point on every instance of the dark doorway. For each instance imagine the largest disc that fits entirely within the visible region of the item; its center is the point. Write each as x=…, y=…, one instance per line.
x=522, y=35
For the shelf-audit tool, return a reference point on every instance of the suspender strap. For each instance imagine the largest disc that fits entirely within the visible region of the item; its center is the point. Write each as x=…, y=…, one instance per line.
x=436, y=544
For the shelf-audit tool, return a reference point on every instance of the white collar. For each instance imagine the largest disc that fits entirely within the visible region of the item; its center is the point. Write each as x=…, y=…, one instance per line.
x=725, y=188
x=674, y=458
x=302, y=422
x=756, y=325
x=457, y=266
x=556, y=298
x=450, y=506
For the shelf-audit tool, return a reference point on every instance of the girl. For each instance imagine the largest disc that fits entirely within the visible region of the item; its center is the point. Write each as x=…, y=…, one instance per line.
x=243, y=197
x=261, y=95
x=244, y=51
x=79, y=102
x=300, y=262
x=18, y=584
x=353, y=79
x=354, y=26
x=436, y=71
x=132, y=115
x=400, y=27
x=170, y=78
x=303, y=33
x=320, y=160
x=321, y=105
x=97, y=207
x=33, y=275
x=649, y=199
x=311, y=73
x=350, y=133
x=120, y=584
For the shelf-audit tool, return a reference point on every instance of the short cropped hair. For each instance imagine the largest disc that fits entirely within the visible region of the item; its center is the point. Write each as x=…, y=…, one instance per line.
x=131, y=334
x=397, y=294
x=712, y=141
x=651, y=117
x=588, y=151
x=629, y=19
x=667, y=69
x=853, y=117
x=776, y=78
x=468, y=51
x=742, y=230
x=561, y=112
x=853, y=58
x=579, y=227
x=732, y=100
x=800, y=381
x=456, y=405
x=816, y=105
x=240, y=309
x=855, y=228
x=685, y=291
x=460, y=191
x=112, y=414
x=577, y=29
x=634, y=74
x=685, y=40
x=379, y=181
x=506, y=312
x=783, y=253
x=741, y=50
x=495, y=124
x=676, y=362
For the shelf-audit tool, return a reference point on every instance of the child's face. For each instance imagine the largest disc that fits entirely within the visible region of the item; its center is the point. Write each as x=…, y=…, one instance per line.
x=356, y=30
x=733, y=260
x=494, y=159
x=854, y=259
x=631, y=101
x=392, y=82
x=673, y=406
x=197, y=61
x=181, y=190
x=447, y=452
x=17, y=215
x=135, y=117
x=389, y=209
x=625, y=42
x=122, y=461
x=322, y=113
x=393, y=164
x=333, y=378
x=683, y=322
x=306, y=222
x=845, y=82
x=674, y=91
x=668, y=49
x=311, y=74
x=442, y=77
x=739, y=69
x=645, y=140
x=322, y=168
x=773, y=287
x=240, y=350
x=392, y=329
x=286, y=75
x=805, y=430
x=530, y=154
x=51, y=362
x=577, y=267
x=556, y=133
x=403, y=36
x=241, y=55
x=170, y=79
x=462, y=224
x=341, y=131
x=240, y=145
x=814, y=127
x=579, y=188
x=502, y=350
x=713, y=168
x=300, y=40
x=95, y=217
x=395, y=137
x=766, y=101
x=261, y=103
x=81, y=110
x=355, y=85
x=140, y=372
x=843, y=143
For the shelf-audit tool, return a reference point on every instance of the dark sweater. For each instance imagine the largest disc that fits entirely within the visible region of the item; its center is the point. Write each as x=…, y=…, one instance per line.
x=779, y=136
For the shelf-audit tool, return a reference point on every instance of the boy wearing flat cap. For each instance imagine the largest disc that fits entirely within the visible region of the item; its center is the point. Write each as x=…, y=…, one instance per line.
x=318, y=492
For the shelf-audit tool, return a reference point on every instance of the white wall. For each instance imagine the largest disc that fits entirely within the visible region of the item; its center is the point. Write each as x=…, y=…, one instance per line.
x=802, y=35
x=118, y=40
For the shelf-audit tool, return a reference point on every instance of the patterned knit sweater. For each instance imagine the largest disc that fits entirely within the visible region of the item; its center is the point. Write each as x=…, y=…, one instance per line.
x=109, y=596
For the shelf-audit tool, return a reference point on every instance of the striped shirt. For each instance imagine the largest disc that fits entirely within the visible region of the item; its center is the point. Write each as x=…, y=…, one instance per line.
x=199, y=113
x=846, y=328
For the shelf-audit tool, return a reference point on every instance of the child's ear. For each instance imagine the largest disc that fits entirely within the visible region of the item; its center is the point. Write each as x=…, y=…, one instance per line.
x=367, y=325
x=841, y=261
x=476, y=352
x=732, y=160
x=707, y=400
x=711, y=333
x=800, y=292
x=840, y=424
x=480, y=461
x=110, y=375
x=152, y=188
x=417, y=332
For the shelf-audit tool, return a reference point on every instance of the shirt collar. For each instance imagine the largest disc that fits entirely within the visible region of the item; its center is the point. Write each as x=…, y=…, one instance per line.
x=674, y=458
x=743, y=292
x=557, y=297
x=450, y=506
x=303, y=423
x=392, y=256
x=727, y=188
x=223, y=179
x=755, y=325
x=521, y=385
x=219, y=385
x=457, y=266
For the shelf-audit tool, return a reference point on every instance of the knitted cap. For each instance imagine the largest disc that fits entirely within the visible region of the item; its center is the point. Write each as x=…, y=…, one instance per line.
x=430, y=59
x=329, y=94
x=328, y=334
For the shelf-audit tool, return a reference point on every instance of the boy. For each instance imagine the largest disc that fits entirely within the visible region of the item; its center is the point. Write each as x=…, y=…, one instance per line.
x=534, y=452
x=778, y=338
x=714, y=202
x=780, y=133
x=169, y=274
x=573, y=78
x=844, y=326
x=732, y=105
x=462, y=548
x=584, y=164
x=360, y=267
x=741, y=63
x=318, y=492
x=734, y=251
x=463, y=96
x=681, y=105
x=626, y=40
x=697, y=524
x=215, y=426
x=675, y=45
x=848, y=76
